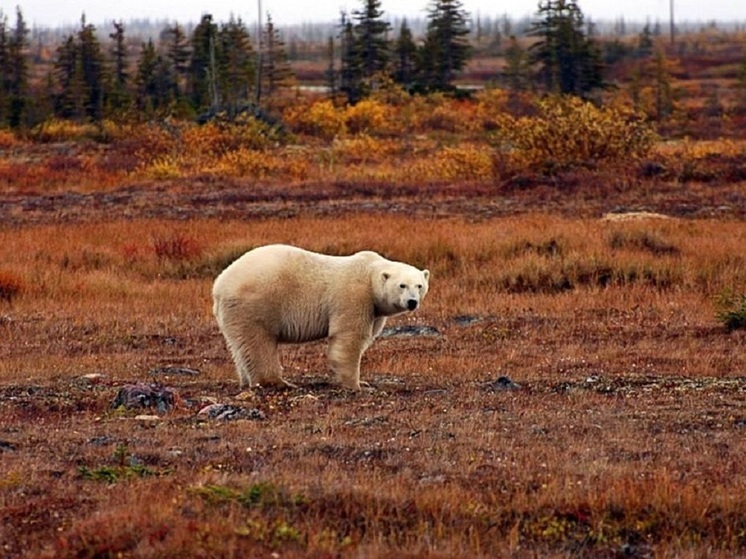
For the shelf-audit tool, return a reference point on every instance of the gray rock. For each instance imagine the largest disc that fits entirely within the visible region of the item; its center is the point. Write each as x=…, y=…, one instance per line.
x=6, y=446
x=138, y=396
x=228, y=412
x=410, y=331
x=466, y=319
x=502, y=383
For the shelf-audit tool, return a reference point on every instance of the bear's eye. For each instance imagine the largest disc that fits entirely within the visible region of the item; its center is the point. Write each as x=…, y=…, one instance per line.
x=402, y=285
x=418, y=286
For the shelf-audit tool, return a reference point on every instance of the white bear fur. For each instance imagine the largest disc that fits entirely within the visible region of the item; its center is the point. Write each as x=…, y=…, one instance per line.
x=283, y=294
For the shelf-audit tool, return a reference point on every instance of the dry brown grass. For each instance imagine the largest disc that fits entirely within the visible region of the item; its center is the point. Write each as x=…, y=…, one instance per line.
x=625, y=438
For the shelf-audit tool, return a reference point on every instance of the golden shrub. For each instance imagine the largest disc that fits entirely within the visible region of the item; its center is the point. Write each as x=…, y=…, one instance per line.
x=456, y=163
x=250, y=132
x=246, y=163
x=8, y=139
x=56, y=130
x=448, y=115
x=205, y=140
x=162, y=168
x=367, y=116
x=319, y=119
x=491, y=102
x=363, y=148
x=570, y=132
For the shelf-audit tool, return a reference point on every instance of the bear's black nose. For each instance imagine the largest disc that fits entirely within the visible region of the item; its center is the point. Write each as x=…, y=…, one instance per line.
x=412, y=304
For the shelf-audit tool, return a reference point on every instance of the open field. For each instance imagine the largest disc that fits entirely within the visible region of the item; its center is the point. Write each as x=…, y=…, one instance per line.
x=624, y=436
x=568, y=389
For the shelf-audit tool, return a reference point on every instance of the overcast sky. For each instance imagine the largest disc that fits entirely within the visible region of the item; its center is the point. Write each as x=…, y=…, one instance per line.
x=58, y=12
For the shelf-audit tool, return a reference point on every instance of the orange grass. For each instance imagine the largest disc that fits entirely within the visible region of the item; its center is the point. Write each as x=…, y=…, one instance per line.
x=626, y=436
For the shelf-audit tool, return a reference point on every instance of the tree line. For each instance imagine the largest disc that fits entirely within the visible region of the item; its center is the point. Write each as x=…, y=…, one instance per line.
x=217, y=67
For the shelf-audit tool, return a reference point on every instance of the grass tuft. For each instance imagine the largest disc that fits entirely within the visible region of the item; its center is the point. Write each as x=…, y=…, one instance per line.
x=176, y=247
x=647, y=241
x=732, y=310
x=11, y=286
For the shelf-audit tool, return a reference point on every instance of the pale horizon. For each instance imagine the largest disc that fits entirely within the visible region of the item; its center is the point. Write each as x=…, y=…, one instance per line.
x=52, y=13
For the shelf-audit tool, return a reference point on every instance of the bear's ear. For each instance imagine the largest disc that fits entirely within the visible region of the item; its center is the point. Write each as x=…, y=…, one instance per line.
x=426, y=273
x=385, y=276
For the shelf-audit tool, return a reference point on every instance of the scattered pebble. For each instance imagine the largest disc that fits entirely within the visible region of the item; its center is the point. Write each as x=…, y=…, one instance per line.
x=502, y=383
x=228, y=412
x=466, y=319
x=132, y=396
x=101, y=440
x=93, y=377
x=147, y=418
x=409, y=330
x=181, y=371
x=632, y=216
x=6, y=446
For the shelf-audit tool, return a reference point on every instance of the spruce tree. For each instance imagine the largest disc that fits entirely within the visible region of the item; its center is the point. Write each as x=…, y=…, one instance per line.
x=93, y=71
x=331, y=71
x=201, y=77
x=446, y=49
x=18, y=86
x=146, y=85
x=68, y=77
x=645, y=42
x=569, y=62
x=405, y=56
x=664, y=102
x=177, y=52
x=350, y=71
x=516, y=72
x=119, y=95
x=276, y=72
x=235, y=69
x=371, y=37
x=4, y=71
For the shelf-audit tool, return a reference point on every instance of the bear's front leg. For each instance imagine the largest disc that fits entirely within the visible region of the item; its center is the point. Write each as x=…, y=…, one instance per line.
x=345, y=353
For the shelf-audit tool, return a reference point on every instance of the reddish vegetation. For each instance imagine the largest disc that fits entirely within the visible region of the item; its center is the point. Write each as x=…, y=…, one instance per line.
x=579, y=395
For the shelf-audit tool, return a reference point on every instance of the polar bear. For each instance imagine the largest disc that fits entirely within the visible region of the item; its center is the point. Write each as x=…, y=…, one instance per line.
x=283, y=294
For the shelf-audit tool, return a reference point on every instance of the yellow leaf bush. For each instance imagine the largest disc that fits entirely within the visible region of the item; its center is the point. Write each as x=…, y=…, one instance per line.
x=321, y=119
x=569, y=132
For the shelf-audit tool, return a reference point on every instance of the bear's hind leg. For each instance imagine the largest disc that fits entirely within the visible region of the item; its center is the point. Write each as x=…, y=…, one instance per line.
x=256, y=356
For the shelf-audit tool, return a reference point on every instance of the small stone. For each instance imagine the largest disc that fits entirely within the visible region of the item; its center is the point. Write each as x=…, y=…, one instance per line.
x=101, y=440
x=140, y=395
x=147, y=418
x=179, y=371
x=410, y=331
x=228, y=412
x=6, y=446
x=466, y=319
x=502, y=383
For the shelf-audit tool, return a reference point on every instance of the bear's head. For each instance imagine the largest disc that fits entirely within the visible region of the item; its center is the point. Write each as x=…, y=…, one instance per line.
x=400, y=288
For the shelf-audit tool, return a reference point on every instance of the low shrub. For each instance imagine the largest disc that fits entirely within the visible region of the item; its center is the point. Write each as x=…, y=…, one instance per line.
x=11, y=285
x=538, y=274
x=176, y=247
x=569, y=132
x=367, y=116
x=642, y=240
x=320, y=119
x=456, y=164
x=731, y=310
